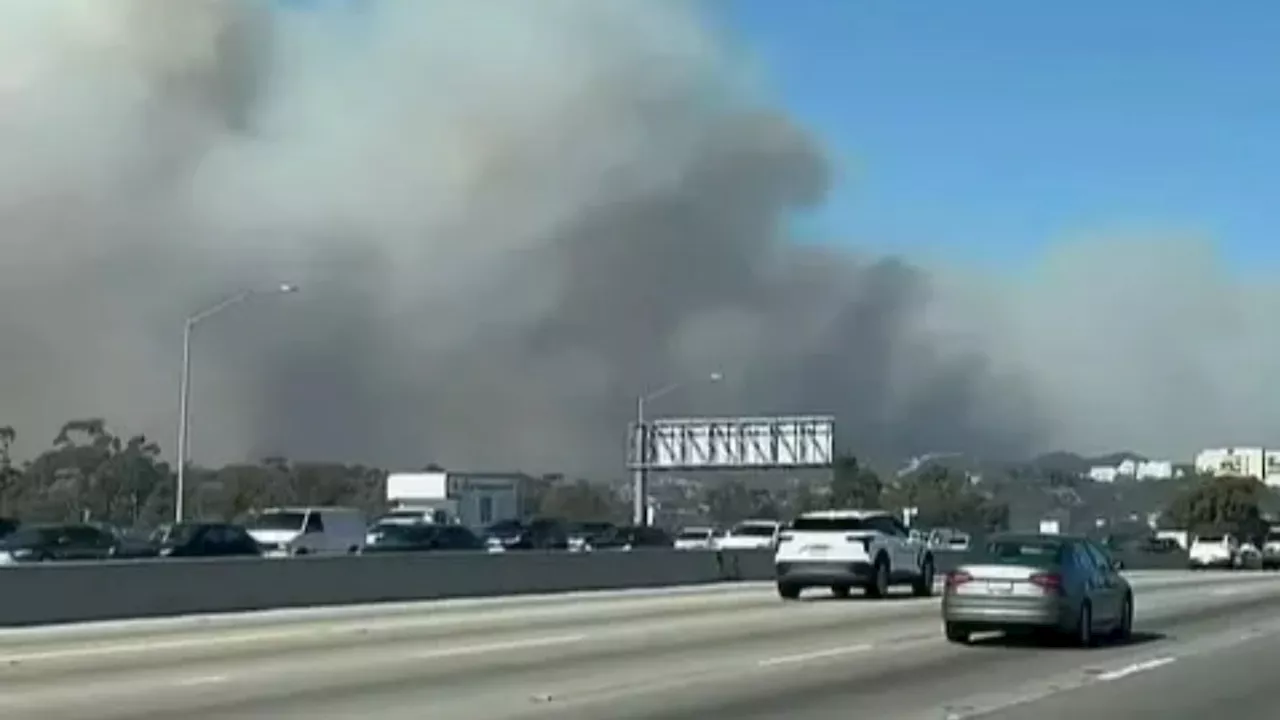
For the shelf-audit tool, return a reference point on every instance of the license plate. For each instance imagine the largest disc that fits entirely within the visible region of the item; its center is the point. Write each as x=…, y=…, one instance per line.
x=817, y=550
x=1000, y=588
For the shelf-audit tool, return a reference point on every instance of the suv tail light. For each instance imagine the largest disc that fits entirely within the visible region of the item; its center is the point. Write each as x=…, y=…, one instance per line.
x=956, y=578
x=1049, y=582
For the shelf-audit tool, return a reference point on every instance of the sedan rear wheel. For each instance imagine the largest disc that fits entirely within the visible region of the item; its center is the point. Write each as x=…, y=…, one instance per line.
x=1124, y=630
x=1084, y=626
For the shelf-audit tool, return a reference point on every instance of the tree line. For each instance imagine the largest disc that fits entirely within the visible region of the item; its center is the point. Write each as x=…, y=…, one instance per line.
x=89, y=471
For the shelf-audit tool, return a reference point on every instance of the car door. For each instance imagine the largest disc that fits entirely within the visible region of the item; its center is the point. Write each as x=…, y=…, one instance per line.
x=1112, y=587
x=82, y=542
x=894, y=539
x=314, y=532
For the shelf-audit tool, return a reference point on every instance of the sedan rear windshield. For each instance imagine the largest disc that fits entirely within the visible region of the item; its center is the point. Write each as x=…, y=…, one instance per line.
x=1018, y=551
x=813, y=524
x=1211, y=539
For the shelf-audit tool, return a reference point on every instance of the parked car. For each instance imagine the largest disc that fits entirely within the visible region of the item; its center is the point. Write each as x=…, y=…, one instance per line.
x=204, y=539
x=398, y=537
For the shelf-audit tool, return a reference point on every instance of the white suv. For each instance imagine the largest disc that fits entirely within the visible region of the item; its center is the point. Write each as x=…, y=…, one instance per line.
x=843, y=549
x=1213, y=551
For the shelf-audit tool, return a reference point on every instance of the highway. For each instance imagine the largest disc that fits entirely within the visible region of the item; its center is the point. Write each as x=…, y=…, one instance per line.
x=1205, y=643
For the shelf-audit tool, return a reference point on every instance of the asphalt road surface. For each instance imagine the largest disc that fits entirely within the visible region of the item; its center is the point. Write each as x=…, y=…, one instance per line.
x=1205, y=643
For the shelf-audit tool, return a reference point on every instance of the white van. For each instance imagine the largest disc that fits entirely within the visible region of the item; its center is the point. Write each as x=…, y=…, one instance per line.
x=308, y=530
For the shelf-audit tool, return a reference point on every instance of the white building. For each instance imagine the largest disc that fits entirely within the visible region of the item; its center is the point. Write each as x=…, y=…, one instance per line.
x=1254, y=462
x=1133, y=470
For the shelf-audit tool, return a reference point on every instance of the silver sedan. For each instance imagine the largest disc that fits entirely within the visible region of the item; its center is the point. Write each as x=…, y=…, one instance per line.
x=1044, y=584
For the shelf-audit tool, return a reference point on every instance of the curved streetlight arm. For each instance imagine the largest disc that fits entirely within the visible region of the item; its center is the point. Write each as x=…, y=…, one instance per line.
x=219, y=306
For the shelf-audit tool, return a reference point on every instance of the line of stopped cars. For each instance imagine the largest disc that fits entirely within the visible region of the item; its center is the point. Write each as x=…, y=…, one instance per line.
x=1048, y=586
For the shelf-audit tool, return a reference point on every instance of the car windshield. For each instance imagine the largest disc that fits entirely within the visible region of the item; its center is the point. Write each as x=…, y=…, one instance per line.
x=404, y=515
x=179, y=534
x=828, y=524
x=1211, y=539
x=278, y=520
x=402, y=533
x=592, y=528
x=752, y=530
x=1030, y=550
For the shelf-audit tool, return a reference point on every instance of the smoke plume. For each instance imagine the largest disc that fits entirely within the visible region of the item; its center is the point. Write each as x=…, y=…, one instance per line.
x=507, y=220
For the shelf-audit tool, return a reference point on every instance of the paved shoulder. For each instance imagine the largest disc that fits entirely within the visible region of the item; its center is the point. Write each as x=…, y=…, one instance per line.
x=1230, y=680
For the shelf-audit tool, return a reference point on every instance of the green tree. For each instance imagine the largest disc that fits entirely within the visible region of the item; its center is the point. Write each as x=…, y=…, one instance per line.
x=579, y=501
x=944, y=498
x=728, y=502
x=10, y=476
x=90, y=471
x=854, y=486
x=1220, y=504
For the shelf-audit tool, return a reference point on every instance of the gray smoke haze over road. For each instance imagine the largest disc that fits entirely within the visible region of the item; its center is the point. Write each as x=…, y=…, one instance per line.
x=509, y=218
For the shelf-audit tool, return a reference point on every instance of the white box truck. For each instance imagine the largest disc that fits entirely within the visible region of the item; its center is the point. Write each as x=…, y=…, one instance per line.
x=474, y=500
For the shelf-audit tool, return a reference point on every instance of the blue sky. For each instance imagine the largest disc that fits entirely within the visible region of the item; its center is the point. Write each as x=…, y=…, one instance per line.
x=983, y=129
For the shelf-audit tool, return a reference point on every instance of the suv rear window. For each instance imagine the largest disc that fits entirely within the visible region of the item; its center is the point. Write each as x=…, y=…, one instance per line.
x=815, y=524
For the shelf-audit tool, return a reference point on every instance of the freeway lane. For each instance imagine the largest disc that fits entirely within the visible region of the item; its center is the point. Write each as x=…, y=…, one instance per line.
x=705, y=653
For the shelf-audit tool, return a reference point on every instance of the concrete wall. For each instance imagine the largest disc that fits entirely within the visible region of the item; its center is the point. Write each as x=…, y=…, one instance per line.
x=77, y=592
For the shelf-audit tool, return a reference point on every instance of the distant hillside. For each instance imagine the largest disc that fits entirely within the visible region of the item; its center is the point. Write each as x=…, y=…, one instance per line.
x=1073, y=464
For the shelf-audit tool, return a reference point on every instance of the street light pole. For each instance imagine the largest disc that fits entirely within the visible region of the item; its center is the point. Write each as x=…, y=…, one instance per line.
x=184, y=383
x=640, y=474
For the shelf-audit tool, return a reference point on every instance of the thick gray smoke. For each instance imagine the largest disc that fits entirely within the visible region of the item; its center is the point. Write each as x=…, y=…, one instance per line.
x=508, y=218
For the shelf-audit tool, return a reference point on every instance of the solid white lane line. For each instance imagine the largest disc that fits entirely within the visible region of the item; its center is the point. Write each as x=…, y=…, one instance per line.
x=531, y=643
x=1136, y=668
x=202, y=680
x=814, y=655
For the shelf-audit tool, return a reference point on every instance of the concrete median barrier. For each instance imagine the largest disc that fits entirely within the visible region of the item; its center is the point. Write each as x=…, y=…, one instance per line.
x=946, y=561
x=56, y=593
x=81, y=592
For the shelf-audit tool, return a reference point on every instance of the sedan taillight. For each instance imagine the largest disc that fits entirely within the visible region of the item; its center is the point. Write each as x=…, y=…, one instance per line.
x=957, y=578
x=1049, y=582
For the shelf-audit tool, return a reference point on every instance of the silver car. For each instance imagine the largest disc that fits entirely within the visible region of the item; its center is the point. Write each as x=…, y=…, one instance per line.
x=1050, y=584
